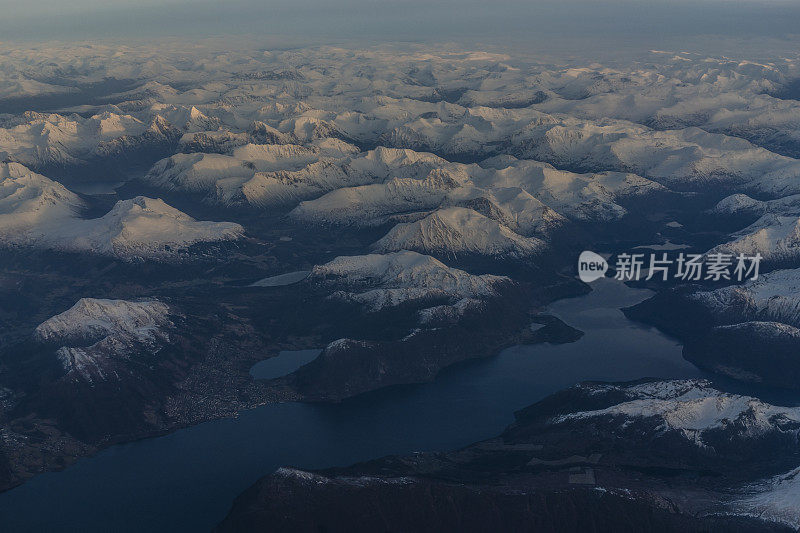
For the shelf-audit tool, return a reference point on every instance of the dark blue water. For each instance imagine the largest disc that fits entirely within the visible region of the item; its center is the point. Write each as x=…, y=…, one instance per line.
x=186, y=481
x=284, y=363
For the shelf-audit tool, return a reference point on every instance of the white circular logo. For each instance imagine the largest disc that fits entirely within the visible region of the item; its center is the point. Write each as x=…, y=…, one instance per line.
x=591, y=266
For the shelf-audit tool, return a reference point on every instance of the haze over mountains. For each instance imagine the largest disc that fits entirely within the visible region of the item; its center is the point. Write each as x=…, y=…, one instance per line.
x=576, y=24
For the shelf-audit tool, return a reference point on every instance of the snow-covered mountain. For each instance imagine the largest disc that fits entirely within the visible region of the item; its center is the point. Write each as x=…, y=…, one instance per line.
x=774, y=296
x=286, y=174
x=688, y=159
x=95, y=335
x=532, y=199
x=43, y=140
x=591, y=196
x=741, y=204
x=221, y=176
x=92, y=317
x=373, y=204
x=738, y=204
x=692, y=410
x=458, y=230
x=387, y=280
x=36, y=211
x=140, y=228
x=774, y=499
x=514, y=207
x=29, y=200
x=775, y=237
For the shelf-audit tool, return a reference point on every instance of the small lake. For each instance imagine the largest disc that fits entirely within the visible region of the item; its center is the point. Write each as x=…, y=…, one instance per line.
x=284, y=363
x=186, y=481
x=282, y=279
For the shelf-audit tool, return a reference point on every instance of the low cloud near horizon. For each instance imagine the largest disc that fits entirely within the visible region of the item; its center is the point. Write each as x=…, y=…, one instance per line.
x=399, y=20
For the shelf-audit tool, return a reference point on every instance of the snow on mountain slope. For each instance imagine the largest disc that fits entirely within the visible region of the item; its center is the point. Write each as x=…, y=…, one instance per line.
x=19, y=86
x=689, y=158
x=92, y=317
x=396, y=162
x=774, y=296
x=448, y=314
x=141, y=228
x=741, y=204
x=213, y=142
x=374, y=166
x=28, y=200
x=116, y=329
x=36, y=211
x=762, y=330
x=286, y=174
x=455, y=230
x=150, y=91
x=775, y=237
x=39, y=140
x=513, y=207
x=308, y=127
x=226, y=139
x=186, y=118
x=738, y=107
x=387, y=280
x=371, y=204
x=577, y=196
x=202, y=172
x=776, y=499
x=738, y=204
x=196, y=172
x=530, y=197
x=692, y=409
x=289, y=187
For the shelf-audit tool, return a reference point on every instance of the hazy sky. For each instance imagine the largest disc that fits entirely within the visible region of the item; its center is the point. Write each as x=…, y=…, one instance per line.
x=319, y=20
